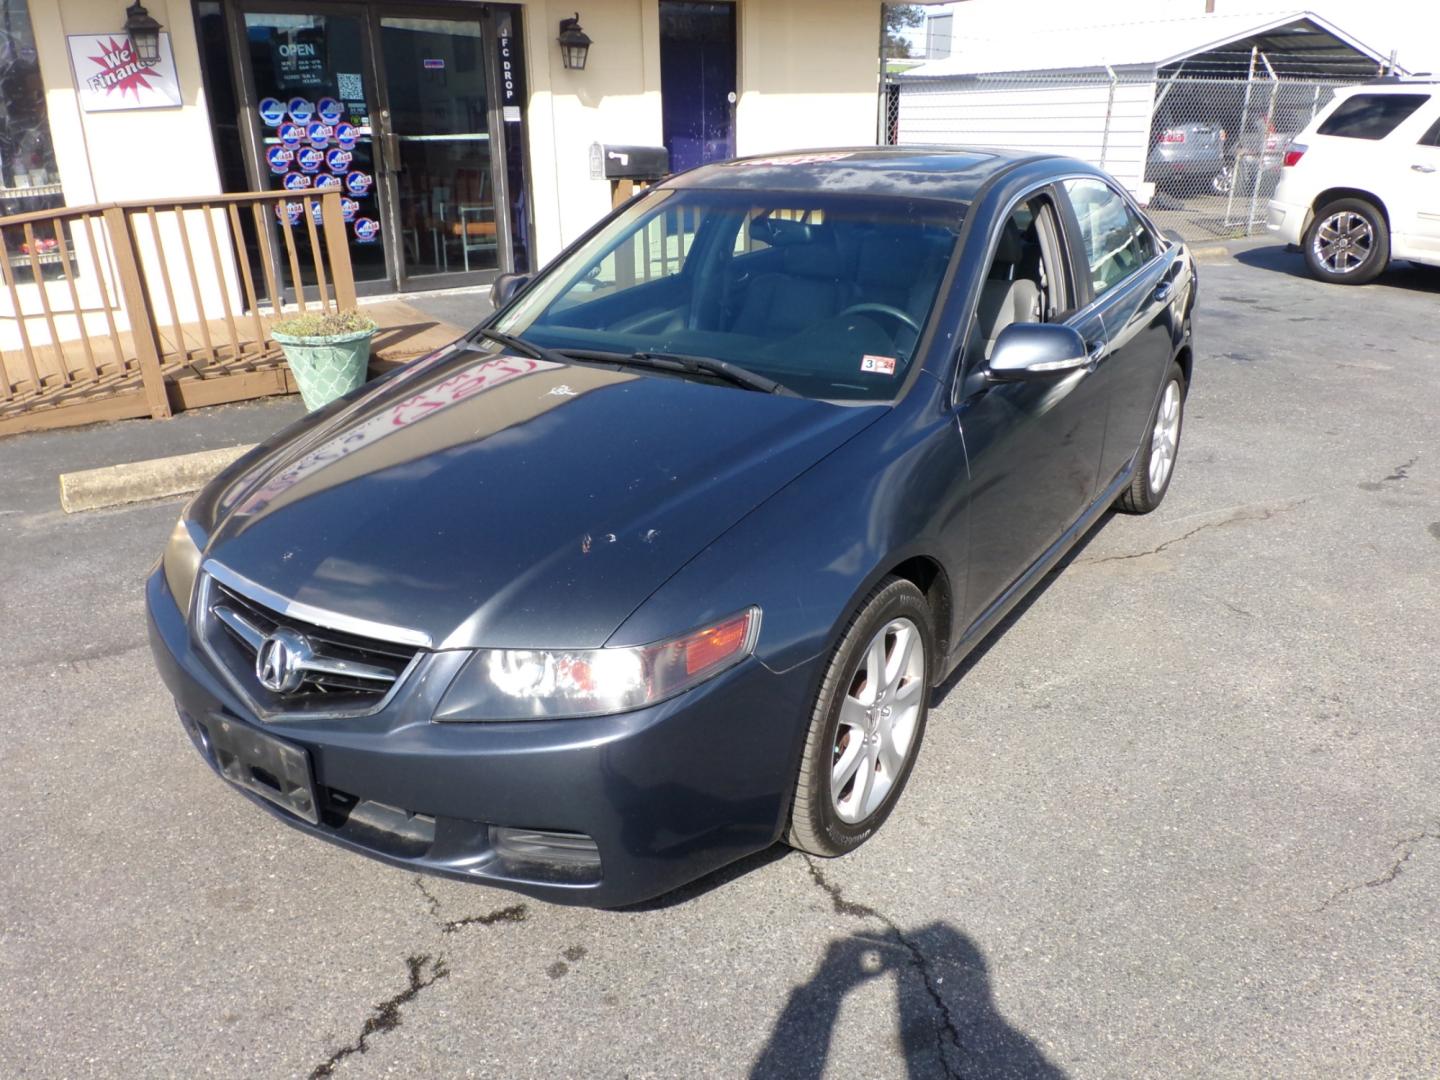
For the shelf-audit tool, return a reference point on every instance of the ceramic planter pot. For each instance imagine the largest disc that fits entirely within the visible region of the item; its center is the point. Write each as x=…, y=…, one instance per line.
x=325, y=368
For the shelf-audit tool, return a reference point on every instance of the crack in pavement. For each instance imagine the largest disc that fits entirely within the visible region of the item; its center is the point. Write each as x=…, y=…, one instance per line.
x=425, y=971
x=946, y=1028
x=1409, y=843
x=1238, y=516
x=513, y=913
x=430, y=898
x=1402, y=472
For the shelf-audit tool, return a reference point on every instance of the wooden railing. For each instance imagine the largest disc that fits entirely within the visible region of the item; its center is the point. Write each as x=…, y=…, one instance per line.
x=142, y=308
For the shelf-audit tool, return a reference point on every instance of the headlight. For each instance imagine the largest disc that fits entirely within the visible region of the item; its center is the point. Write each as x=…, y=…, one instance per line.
x=182, y=562
x=533, y=684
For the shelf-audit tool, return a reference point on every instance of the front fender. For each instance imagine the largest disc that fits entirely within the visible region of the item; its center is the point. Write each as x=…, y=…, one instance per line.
x=815, y=548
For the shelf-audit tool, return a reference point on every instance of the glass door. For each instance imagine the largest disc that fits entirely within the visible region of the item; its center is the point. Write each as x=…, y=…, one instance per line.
x=438, y=180
x=309, y=91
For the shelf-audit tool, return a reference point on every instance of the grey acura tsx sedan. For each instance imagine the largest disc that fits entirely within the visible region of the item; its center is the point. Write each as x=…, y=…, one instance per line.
x=658, y=565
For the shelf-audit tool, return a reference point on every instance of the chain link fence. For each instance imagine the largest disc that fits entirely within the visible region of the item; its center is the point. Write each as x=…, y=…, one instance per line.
x=1204, y=154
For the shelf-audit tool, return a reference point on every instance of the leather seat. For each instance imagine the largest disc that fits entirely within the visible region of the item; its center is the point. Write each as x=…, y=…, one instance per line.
x=1006, y=297
x=891, y=269
x=805, y=291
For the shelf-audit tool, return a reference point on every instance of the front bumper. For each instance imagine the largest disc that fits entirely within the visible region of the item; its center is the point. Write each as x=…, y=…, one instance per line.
x=667, y=793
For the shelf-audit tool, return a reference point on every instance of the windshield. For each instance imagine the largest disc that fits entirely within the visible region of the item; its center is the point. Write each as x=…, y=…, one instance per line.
x=825, y=294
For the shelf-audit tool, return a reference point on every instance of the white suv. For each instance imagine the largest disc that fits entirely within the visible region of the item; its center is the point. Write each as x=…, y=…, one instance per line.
x=1361, y=184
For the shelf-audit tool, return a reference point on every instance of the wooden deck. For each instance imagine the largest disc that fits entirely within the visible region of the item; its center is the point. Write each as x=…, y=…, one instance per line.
x=144, y=308
x=194, y=375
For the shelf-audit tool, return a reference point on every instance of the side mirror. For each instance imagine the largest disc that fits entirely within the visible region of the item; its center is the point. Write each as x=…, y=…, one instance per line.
x=1036, y=351
x=506, y=286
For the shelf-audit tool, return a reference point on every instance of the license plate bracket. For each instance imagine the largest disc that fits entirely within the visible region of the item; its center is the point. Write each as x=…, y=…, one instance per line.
x=275, y=770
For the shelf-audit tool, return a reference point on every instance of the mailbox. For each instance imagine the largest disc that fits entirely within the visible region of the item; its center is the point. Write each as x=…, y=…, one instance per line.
x=645, y=163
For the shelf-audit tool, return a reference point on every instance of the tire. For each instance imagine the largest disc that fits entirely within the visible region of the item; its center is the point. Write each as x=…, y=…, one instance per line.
x=883, y=721
x=1347, y=243
x=1148, y=485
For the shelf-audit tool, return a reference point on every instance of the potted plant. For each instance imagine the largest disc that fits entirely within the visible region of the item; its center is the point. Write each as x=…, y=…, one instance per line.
x=328, y=352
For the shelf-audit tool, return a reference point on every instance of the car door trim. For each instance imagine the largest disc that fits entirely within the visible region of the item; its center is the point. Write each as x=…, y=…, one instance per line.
x=958, y=373
x=1163, y=246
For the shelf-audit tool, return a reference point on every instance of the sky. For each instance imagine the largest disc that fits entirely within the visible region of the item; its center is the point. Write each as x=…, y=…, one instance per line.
x=1410, y=27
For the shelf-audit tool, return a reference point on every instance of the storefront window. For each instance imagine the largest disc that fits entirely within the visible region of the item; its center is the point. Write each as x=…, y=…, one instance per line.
x=28, y=178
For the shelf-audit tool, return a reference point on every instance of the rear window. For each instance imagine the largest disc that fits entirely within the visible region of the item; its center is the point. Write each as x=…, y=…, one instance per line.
x=1371, y=116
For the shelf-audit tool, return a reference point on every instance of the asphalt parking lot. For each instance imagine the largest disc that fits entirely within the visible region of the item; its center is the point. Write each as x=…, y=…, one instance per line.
x=1180, y=817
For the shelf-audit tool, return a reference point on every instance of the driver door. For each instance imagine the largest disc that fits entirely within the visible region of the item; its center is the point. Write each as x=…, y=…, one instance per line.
x=1033, y=447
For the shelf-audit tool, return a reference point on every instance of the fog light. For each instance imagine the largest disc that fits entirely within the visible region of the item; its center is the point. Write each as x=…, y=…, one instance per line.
x=556, y=849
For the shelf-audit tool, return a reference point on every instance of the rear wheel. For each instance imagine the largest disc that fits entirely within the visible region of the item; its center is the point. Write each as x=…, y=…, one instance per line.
x=1348, y=243
x=867, y=723
x=1155, y=461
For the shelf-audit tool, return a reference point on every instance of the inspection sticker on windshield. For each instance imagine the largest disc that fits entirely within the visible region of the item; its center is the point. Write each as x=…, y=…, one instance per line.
x=878, y=365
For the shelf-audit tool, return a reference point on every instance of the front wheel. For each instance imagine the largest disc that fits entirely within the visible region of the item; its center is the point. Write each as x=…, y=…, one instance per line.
x=1155, y=460
x=1348, y=243
x=867, y=723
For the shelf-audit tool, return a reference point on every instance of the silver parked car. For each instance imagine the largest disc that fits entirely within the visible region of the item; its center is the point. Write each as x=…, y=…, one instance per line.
x=1185, y=154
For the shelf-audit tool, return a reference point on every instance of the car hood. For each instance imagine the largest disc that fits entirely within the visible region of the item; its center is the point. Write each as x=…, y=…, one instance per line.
x=506, y=502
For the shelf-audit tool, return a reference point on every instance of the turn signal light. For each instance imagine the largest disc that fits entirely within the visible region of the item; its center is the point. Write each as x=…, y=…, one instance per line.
x=711, y=646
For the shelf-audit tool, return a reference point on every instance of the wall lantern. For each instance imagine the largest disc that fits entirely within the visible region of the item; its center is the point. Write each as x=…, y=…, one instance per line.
x=574, y=44
x=144, y=34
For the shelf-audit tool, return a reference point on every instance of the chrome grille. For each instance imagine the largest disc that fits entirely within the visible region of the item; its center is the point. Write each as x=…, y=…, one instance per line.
x=337, y=672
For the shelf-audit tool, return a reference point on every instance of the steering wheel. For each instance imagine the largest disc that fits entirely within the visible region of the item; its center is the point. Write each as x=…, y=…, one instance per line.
x=899, y=315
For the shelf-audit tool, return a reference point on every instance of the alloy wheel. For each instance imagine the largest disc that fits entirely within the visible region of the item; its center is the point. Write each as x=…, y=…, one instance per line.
x=1166, y=437
x=1343, y=242
x=878, y=718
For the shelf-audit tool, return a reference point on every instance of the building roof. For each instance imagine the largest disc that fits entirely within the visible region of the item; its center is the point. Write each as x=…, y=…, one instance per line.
x=1297, y=44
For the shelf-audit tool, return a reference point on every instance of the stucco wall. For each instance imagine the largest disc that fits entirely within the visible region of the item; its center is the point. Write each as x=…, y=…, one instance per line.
x=134, y=154
x=809, y=74
x=616, y=99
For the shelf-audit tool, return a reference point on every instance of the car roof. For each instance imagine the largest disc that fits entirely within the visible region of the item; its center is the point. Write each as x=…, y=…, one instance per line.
x=1391, y=86
x=949, y=173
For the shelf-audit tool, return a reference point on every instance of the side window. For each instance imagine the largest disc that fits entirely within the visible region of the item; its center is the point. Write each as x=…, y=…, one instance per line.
x=1431, y=137
x=1026, y=280
x=1114, y=240
x=1370, y=116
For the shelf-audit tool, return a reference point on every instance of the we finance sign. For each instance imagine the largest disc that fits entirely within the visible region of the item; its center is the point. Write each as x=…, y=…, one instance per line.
x=109, y=77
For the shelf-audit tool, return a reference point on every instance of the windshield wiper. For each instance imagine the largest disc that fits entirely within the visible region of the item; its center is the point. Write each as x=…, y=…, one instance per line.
x=658, y=361
x=520, y=345
x=707, y=365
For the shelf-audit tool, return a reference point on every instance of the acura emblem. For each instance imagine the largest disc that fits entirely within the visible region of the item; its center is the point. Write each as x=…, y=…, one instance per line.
x=282, y=661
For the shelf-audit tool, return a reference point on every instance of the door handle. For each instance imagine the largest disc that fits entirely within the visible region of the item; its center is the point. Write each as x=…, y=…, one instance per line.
x=1163, y=291
x=1423, y=168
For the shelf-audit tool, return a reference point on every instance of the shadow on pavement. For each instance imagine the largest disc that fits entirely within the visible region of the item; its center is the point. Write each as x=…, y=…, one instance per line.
x=1279, y=259
x=948, y=1023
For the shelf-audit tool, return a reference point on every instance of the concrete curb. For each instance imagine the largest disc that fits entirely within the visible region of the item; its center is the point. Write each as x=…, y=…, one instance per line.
x=137, y=481
x=1226, y=249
